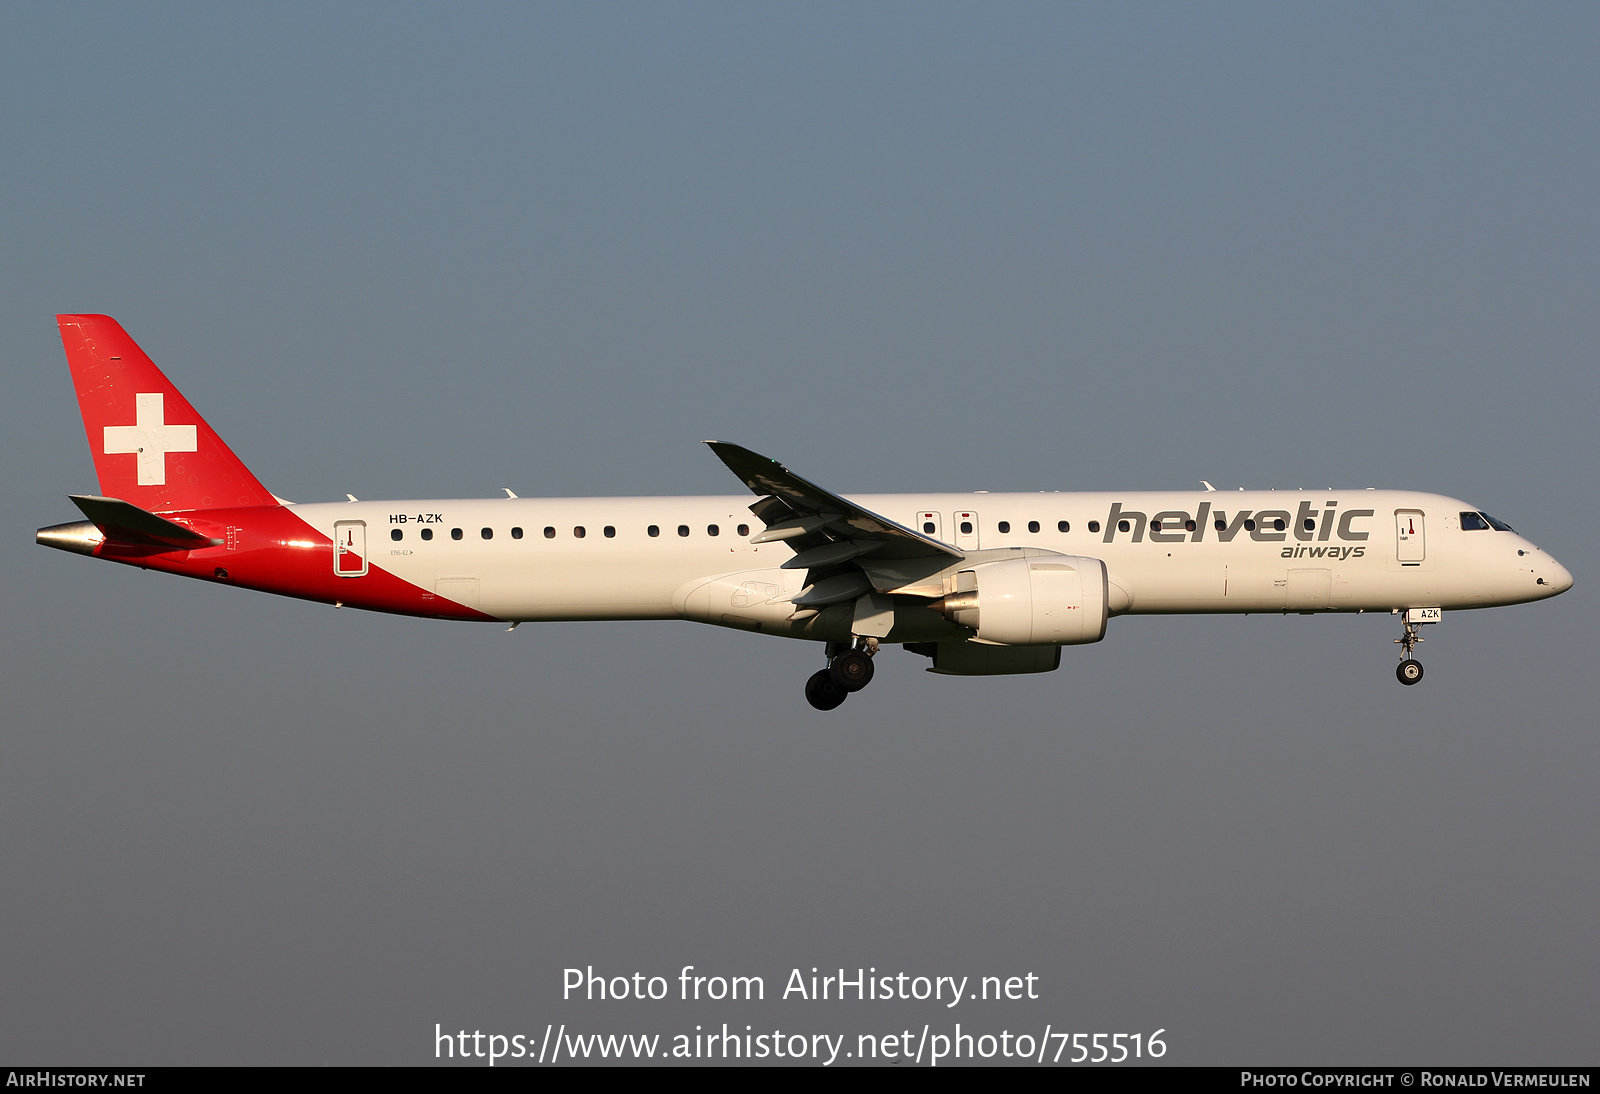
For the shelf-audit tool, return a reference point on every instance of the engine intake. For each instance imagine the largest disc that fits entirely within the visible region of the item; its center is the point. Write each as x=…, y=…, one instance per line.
x=1055, y=600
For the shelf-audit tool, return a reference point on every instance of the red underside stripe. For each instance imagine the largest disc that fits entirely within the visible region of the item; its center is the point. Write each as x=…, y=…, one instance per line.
x=269, y=548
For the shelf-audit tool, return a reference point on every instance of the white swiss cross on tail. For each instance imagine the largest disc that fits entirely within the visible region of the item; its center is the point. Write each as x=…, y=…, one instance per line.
x=151, y=438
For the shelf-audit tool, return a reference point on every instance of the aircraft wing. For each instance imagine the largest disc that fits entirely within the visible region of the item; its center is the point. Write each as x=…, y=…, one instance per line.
x=811, y=510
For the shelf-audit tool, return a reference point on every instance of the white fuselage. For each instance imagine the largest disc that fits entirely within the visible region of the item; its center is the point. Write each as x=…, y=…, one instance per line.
x=1364, y=550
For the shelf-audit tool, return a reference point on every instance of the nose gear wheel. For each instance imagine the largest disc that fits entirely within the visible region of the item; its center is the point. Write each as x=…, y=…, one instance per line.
x=1409, y=671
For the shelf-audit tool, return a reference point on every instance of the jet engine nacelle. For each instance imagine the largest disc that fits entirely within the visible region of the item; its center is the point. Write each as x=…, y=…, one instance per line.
x=1056, y=600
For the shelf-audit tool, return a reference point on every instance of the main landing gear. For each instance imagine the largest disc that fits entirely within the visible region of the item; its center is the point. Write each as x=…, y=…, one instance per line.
x=1409, y=671
x=849, y=669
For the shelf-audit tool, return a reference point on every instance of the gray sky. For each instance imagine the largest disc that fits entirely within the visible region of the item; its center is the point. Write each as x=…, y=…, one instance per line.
x=427, y=251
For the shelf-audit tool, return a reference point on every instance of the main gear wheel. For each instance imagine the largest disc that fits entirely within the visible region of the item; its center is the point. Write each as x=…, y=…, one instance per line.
x=823, y=692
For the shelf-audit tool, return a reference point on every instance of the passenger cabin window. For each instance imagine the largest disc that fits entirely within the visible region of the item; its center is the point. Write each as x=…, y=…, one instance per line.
x=610, y=531
x=516, y=533
x=549, y=533
x=653, y=531
x=1123, y=526
x=1033, y=526
x=455, y=533
x=683, y=529
x=1311, y=525
x=966, y=527
x=395, y=533
x=744, y=529
x=1188, y=526
x=1249, y=526
x=927, y=527
x=1155, y=526
x=1004, y=526
x=1063, y=526
x=426, y=533
x=578, y=532
x=1279, y=524
x=1473, y=522
x=1094, y=526
x=487, y=533
x=713, y=530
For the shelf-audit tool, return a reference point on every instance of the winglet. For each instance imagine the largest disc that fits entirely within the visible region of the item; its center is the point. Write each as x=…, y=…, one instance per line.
x=760, y=473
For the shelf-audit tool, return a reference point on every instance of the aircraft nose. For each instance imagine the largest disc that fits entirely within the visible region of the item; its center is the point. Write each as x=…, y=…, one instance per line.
x=1555, y=575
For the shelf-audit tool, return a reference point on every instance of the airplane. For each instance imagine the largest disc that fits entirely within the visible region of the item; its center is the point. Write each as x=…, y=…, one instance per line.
x=981, y=584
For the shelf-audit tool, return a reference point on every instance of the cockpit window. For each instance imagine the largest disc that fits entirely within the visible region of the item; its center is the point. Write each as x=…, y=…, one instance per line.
x=1473, y=522
x=1497, y=525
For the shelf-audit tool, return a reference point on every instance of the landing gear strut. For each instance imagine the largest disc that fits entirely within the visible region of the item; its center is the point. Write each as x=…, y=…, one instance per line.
x=849, y=670
x=1409, y=671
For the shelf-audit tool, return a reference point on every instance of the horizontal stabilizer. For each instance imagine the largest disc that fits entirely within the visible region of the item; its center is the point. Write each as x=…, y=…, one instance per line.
x=127, y=523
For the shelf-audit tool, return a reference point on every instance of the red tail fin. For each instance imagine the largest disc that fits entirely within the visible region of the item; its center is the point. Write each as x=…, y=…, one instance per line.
x=150, y=447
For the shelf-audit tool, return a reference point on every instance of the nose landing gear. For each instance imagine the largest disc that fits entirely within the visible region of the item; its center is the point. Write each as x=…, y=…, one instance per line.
x=849, y=670
x=1409, y=671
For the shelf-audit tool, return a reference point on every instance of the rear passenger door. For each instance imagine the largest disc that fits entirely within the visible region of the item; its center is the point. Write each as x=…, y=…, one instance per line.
x=350, y=548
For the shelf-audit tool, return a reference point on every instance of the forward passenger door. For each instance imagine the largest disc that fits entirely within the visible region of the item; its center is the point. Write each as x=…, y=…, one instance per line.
x=1411, y=544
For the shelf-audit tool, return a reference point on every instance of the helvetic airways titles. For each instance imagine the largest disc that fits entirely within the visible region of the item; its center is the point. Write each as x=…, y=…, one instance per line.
x=848, y=984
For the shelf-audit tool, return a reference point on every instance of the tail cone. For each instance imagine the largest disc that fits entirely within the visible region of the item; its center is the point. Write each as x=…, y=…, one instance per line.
x=80, y=537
